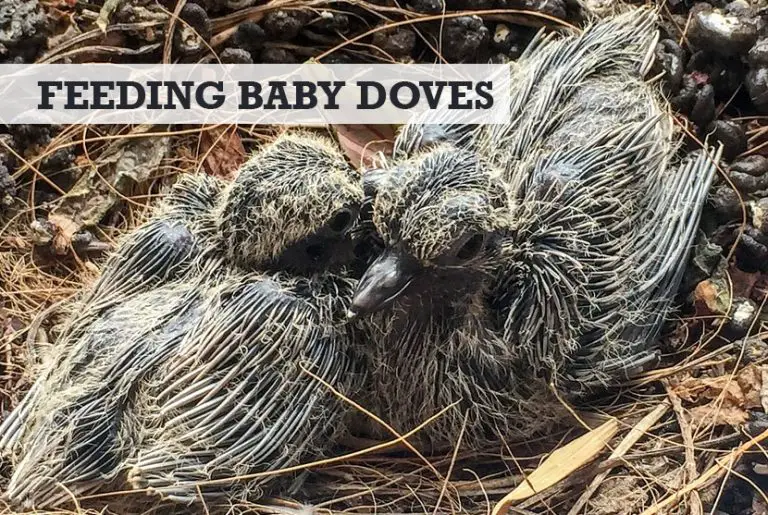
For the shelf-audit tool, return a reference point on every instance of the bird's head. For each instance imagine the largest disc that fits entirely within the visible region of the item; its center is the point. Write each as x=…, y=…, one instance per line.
x=439, y=215
x=292, y=207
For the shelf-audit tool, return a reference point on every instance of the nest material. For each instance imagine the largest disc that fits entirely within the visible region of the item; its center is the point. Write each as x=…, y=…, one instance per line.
x=674, y=459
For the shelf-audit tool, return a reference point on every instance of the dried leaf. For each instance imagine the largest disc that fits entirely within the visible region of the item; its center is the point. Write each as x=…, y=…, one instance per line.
x=361, y=143
x=561, y=463
x=710, y=299
x=105, y=13
x=125, y=163
x=224, y=152
x=723, y=400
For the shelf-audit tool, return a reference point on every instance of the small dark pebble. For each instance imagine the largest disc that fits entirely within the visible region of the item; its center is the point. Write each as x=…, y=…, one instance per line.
x=670, y=59
x=278, y=56
x=59, y=160
x=706, y=256
x=703, y=108
x=554, y=8
x=193, y=31
x=742, y=316
x=332, y=22
x=235, y=56
x=250, y=37
x=23, y=27
x=396, y=42
x=759, y=215
x=470, y=5
x=756, y=82
x=752, y=251
x=720, y=32
x=725, y=202
x=731, y=135
x=749, y=174
x=284, y=25
x=466, y=35
x=511, y=40
x=7, y=184
x=758, y=54
x=427, y=6
x=696, y=98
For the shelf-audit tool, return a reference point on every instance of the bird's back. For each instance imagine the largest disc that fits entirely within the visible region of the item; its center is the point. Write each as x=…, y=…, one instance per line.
x=602, y=217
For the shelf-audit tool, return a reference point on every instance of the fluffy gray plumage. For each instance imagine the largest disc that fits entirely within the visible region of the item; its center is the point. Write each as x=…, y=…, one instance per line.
x=543, y=251
x=187, y=361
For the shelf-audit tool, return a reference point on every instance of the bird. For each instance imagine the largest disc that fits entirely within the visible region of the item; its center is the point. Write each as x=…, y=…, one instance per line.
x=211, y=345
x=531, y=264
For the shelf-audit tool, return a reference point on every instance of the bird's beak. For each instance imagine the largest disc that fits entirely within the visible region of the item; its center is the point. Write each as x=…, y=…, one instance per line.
x=385, y=280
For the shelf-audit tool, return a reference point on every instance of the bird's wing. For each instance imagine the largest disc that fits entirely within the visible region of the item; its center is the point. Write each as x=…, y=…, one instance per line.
x=239, y=398
x=77, y=430
x=622, y=341
x=600, y=234
x=156, y=252
x=553, y=72
x=162, y=248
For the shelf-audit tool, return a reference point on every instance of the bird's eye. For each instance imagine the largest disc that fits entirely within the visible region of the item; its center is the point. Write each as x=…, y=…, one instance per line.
x=472, y=247
x=342, y=221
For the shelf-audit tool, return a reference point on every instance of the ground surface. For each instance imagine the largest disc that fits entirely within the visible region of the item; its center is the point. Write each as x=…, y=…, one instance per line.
x=67, y=193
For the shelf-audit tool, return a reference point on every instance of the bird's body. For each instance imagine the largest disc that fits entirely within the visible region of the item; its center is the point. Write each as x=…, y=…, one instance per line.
x=540, y=256
x=201, y=352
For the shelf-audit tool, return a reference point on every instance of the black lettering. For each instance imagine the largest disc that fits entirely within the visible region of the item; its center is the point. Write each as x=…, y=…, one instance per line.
x=46, y=94
x=365, y=103
x=433, y=99
x=250, y=95
x=101, y=90
x=183, y=97
x=154, y=96
x=73, y=95
x=483, y=89
x=124, y=102
x=331, y=89
x=218, y=98
x=457, y=95
x=306, y=97
x=394, y=95
x=277, y=94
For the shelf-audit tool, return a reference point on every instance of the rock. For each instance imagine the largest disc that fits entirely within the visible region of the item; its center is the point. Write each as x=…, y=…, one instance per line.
x=720, y=32
x=334, y=22
x=725, y=202
x=743, y=315
x=696, y=98
x=284, y=25
x=278, y=56
x=730, y=135
x=759, y=215
x=7, y=184
x=750, y=174
x=427, y=6
x=758, y=54
x=23, y=26
x=756, y=82
x=670, y=59
x=752, y=252
x=193, y=34
x=554, y=8
x=235, y=56
x=397, y=41
x=250, y=37
x=467, y=35
x=509, y=40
